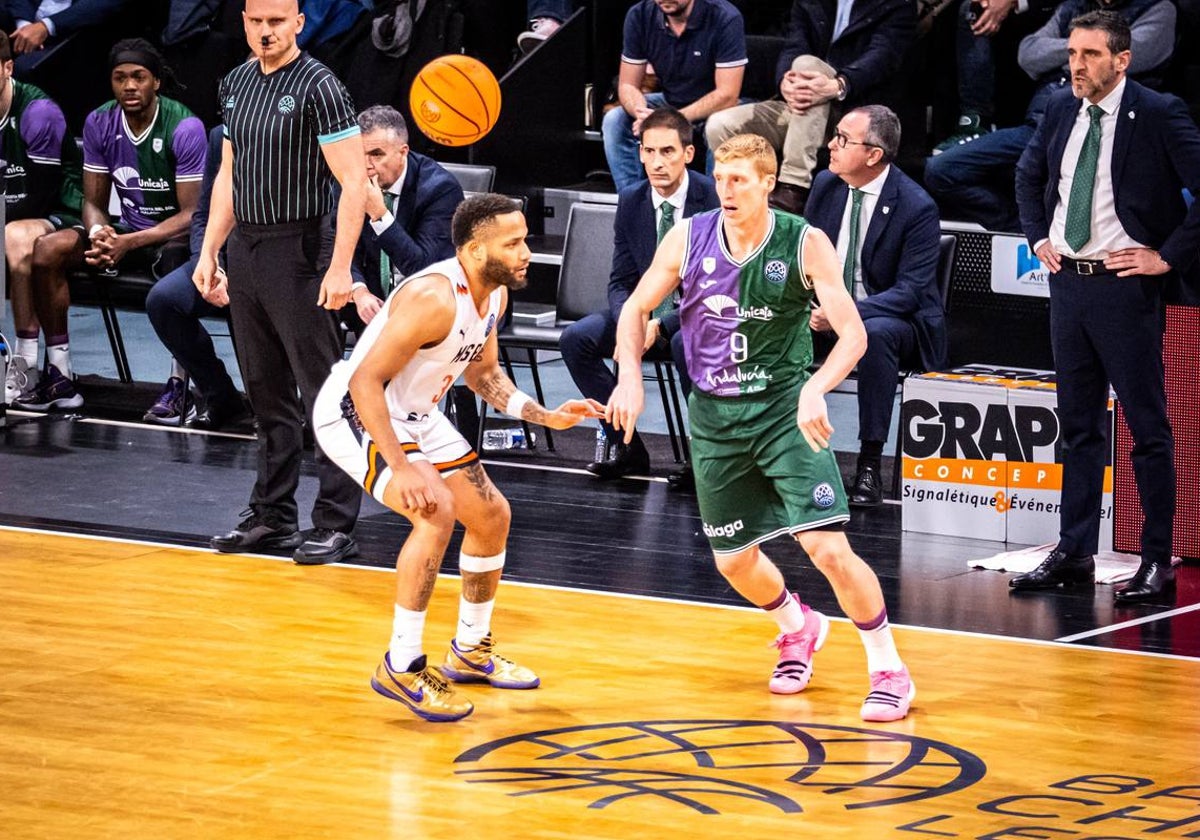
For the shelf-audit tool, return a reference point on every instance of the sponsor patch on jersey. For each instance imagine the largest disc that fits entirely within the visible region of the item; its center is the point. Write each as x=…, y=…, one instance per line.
x=823, y=495
x=126, y=176
x=775, y=271
x=287, y=104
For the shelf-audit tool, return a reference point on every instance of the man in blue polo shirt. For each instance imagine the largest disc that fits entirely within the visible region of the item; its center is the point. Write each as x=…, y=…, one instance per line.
x=698, y=51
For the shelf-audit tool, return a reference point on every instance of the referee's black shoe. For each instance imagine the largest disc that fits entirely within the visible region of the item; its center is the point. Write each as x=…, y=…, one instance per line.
x=867, y=491
x=325, y=545
x=259, y=530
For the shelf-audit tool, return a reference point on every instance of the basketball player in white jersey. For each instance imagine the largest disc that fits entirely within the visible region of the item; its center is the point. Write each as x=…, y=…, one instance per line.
x=377, y=417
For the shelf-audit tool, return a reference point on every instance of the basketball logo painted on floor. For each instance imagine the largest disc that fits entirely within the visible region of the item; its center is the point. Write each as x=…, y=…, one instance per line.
x=722, y=766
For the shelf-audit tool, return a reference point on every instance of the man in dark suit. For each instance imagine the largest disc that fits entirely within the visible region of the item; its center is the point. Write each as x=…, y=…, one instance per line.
x=410, y=202
x=889, y=257
x=837, y=55
x=645, y=211
x=1100, y=195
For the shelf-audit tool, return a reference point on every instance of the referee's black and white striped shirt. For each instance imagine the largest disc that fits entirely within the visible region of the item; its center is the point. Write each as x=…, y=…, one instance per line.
x=277, y=124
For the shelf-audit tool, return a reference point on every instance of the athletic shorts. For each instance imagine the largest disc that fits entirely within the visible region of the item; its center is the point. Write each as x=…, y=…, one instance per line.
x=65, y=219
x=341, y=435
x=756, y=477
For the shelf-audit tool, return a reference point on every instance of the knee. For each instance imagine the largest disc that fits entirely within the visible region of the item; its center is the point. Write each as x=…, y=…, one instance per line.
x=734, y=566
x=938, y=172
x=830, y=560
x=49, y=252
x=19, y=241
x=499, y=516
x=615, y=122
x=811, y=64
x=440, y=520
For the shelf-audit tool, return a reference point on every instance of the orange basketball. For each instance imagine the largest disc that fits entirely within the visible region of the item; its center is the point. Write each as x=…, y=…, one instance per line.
x=455, y=100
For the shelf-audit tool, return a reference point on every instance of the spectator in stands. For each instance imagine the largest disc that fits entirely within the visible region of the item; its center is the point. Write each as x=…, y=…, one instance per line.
x=974, y=181
x=645, y=212
x=978, y=22
x=175, y=307
x=43, y=194
x=151, y=149
x=887, y=234
x=1100, y=187
x=545, y=17
x=844, y=59
x=39, y=27
x=410, y=201
x=698, y=50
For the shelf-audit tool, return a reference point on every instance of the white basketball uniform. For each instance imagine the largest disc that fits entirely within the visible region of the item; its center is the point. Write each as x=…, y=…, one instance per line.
x=412, y=396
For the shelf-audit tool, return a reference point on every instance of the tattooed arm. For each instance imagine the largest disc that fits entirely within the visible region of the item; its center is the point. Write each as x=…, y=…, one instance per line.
x=487, y=379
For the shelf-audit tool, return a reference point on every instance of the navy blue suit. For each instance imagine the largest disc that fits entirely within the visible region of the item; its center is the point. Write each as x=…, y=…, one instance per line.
x=589, y=343
x=903, y=312
x=1108, y=329
x=420, y=235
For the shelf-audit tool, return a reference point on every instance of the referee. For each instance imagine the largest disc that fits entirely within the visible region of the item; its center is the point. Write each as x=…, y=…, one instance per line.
x=289, y=125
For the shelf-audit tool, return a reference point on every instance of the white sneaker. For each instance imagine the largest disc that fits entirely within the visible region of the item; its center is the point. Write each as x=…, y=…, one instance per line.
x=21, y=380
x=539, y=30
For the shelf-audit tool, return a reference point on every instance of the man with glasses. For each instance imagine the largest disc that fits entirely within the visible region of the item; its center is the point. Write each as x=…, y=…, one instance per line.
x=837, y=55
x=887, y=234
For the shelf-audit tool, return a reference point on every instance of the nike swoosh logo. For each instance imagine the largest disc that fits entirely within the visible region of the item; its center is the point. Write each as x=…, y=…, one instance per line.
x=704, y=284
x=415, y=697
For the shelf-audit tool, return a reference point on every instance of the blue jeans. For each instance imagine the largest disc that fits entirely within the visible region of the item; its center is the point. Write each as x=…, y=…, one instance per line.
x=175, y=308
x=559, y=10
x=976, y=69
x=973, y=182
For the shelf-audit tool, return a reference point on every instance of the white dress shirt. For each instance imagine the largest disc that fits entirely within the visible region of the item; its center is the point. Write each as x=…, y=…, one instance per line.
x=871, y=191
x=676, y=200
x=385, y=221
x=1107, y=233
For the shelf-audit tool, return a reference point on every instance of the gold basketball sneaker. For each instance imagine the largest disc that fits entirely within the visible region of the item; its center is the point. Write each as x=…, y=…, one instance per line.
x=422, y=689
x=482, y=664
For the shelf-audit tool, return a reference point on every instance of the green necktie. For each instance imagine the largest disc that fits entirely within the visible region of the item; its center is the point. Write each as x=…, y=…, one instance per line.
x=666, y=221
x=856, y=198
x=385, y=262
x=1078, y=228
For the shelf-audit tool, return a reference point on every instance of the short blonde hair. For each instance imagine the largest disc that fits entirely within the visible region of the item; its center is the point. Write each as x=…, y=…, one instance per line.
x=752, y=147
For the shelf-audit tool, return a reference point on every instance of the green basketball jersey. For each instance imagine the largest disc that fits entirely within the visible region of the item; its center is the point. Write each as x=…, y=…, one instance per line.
x=35, y=133
x=745, y=325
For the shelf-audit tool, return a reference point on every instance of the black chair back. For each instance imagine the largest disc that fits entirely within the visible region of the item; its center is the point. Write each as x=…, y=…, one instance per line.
x=473, y=178
x=587, y=261
x=945, y=270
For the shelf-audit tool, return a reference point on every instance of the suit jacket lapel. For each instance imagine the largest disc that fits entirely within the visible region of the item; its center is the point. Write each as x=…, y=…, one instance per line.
x=830, y=220
x=1123, y=134
x=884, y=210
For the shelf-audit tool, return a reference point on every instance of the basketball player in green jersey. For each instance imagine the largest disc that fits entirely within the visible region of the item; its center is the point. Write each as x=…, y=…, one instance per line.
x=747, y=275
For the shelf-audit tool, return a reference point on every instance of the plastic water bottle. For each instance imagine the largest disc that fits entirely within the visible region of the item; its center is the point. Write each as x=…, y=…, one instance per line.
x=511, y=438
x=601, y=445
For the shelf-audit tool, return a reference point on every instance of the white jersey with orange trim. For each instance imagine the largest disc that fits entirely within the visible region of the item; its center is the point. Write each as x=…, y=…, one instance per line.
x=417, y=389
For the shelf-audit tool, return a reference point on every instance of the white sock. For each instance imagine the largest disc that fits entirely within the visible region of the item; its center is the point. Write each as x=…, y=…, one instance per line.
x=474, y=621
x=408, y=627
x=788, y=615
x=880, y=647
x=59, y=355
x=27, y=349
x=177, y=370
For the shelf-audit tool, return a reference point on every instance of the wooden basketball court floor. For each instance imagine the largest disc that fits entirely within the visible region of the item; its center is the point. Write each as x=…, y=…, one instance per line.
x=151, y=688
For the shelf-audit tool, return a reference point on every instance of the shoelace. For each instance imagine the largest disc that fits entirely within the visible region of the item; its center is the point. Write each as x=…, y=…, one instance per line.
x=434, y=681
x=891, y=682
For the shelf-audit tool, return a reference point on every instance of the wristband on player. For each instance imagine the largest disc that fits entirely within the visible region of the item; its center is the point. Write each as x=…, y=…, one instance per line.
x=516, y=403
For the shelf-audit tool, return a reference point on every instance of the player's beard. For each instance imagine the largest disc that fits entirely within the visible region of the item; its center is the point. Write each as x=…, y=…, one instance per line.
x=496, y=273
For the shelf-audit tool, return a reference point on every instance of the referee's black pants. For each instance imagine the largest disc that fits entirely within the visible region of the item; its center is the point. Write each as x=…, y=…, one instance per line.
x=286, y=342
x=1103, y=329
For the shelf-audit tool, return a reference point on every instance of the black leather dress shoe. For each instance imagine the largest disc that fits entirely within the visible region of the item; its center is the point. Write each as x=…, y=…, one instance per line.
x=1058, y=567
x=219, y=414
x=868, y=490
x=258, y=531
x=1152, y=580
x=683, y=479
x=626, y=460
